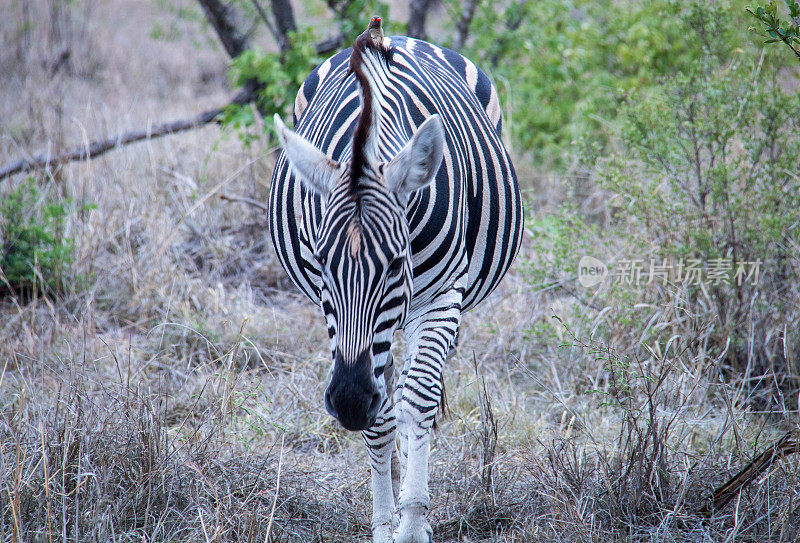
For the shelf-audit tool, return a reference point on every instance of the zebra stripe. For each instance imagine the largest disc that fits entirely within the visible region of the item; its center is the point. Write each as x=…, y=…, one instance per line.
x=493, y=222
x=359, y=239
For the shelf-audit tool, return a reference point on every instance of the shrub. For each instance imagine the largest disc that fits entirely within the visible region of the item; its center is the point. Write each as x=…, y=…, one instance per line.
x=563, y=69
x=281, y=74
x=35, y=254
x=714, y=181
x=703, y=188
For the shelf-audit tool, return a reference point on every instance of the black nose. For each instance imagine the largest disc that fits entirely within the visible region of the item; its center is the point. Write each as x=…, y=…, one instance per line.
x=352, y=397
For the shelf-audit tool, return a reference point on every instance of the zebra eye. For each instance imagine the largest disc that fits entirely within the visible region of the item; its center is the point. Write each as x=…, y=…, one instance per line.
x=320, y=259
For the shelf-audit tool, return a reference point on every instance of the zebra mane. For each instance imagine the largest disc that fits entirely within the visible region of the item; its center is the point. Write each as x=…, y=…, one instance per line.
x=370, y=57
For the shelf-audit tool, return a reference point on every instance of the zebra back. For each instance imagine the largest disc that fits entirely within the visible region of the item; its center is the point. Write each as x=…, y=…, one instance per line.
x=468, y=221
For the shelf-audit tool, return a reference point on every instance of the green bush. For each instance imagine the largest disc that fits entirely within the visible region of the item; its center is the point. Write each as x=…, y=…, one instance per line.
x=710, y=176
x=281, y=77
x=702, y=180
x=35, y=255
x=564, y=69
x=281, y=74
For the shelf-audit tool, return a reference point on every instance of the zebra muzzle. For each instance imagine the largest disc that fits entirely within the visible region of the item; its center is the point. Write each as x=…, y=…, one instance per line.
x=352, y=397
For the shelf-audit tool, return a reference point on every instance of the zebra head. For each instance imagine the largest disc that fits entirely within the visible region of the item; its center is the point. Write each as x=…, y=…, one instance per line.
x=364, y=257
x=362, y=245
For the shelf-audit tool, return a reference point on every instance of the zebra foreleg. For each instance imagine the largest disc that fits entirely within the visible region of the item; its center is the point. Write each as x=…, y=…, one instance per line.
x=429, y=340
x=380, y=441
x=389, y=378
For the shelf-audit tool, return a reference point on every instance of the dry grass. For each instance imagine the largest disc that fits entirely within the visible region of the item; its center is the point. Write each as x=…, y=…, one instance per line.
x=173, y=393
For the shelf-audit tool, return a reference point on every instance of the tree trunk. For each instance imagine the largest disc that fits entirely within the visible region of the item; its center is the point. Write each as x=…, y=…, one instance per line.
x=284, y=21
x=416, y=18
x=462, y=28
x=223, y=18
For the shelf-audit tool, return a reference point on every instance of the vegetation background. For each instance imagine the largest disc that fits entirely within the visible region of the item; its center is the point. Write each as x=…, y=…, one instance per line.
x=161, y=380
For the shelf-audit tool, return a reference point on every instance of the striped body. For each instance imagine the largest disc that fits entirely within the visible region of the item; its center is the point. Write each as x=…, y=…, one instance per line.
x=471, y=218
x=394, y=205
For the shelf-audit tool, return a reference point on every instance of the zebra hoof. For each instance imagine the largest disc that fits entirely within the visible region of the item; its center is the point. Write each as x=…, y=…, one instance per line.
x=414, y=528
x=382, y=534
x=424, y=535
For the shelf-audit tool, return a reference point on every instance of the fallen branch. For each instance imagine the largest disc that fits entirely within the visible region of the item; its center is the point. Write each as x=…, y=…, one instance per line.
x=788, y=444
x=97, y=148
x=223, y=18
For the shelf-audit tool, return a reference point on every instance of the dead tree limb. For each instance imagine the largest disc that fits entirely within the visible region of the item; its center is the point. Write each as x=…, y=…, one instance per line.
x=97, y=148
x=329, y=45
x=788, y=444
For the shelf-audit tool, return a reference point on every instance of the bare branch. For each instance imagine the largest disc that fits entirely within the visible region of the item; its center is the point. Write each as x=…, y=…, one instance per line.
x=263, y=15
x=97, y=148
x=222, y=17
x=329, y=45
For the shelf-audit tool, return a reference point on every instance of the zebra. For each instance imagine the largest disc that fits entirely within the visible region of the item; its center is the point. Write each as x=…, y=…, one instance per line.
x=394, y=205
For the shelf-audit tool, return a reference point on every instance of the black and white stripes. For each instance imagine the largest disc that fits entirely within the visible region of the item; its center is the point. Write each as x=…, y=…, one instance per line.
x=394, y=205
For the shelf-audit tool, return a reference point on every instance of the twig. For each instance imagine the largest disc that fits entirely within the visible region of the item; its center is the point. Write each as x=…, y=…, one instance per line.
x=263, y=15
x=277, y=488
x=774, y=27
x=488, y=434
x=244, y=200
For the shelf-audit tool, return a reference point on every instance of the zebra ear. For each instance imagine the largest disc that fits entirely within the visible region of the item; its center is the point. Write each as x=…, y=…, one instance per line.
x=416, y=165
x=315, y=169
